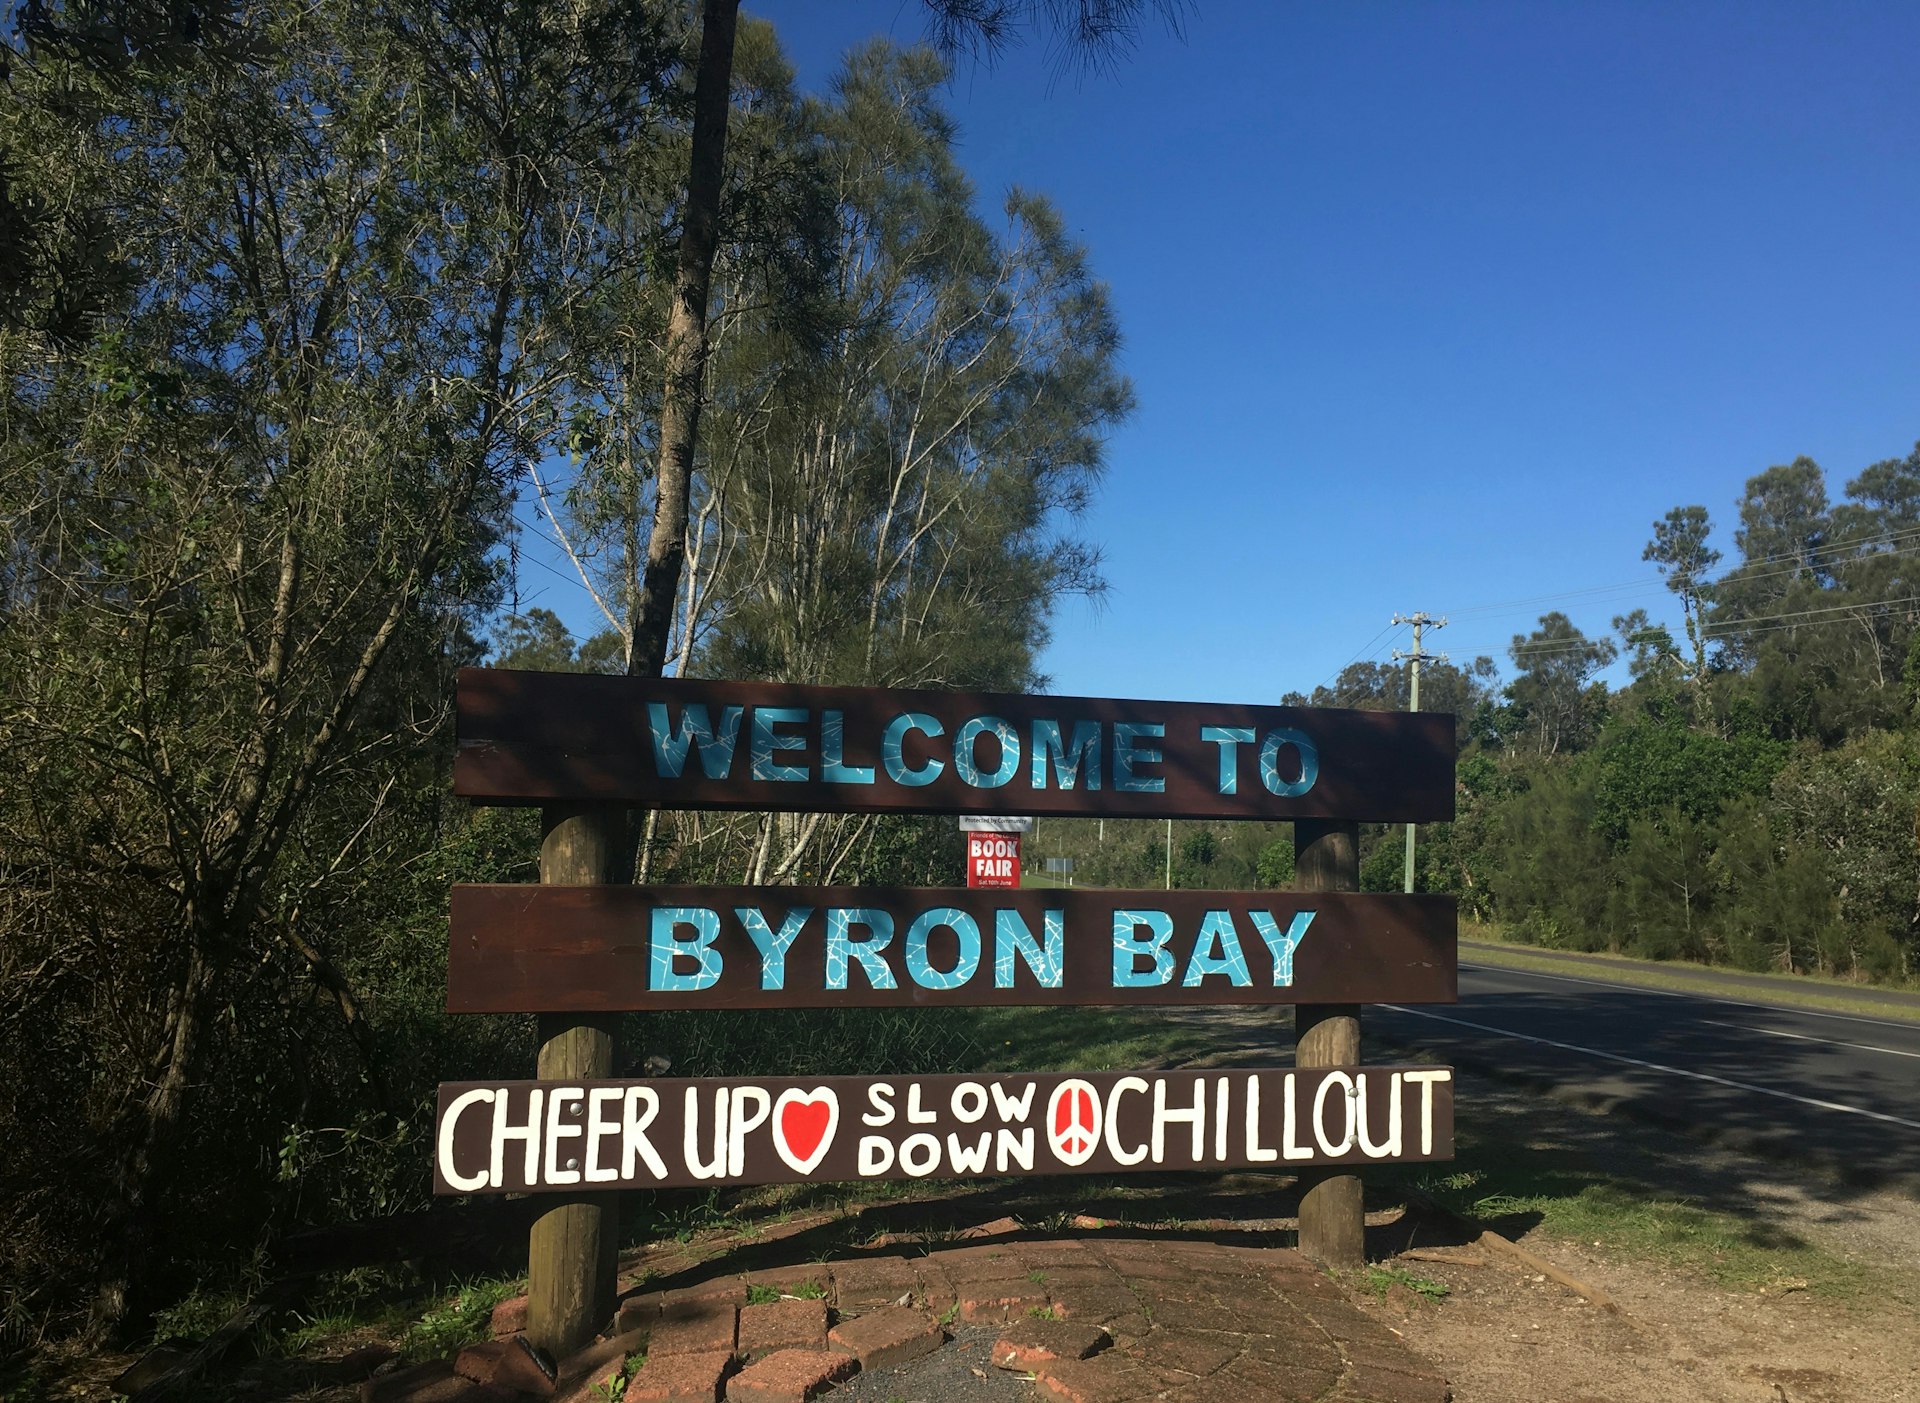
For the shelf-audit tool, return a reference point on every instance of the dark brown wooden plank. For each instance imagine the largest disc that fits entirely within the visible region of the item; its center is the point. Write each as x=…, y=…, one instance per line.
x=528, y=737
x=530, y=949
x=544, y=1137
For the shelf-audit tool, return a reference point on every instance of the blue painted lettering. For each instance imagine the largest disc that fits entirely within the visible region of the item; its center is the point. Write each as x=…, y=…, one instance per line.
x=1217, y=951
x=773, y=944
x=1282, y=943
x=668, y=949
x=841, y=945
x=1128, y=949
x=764, y=742
x=1229, y=739
x=1270, y=749
x=670, y=742
x=833, y=751
x=1126, y=755
x=893, y=747
x=1013, y=938
x=966, y=762
x=921, y=968
x=1079, y=755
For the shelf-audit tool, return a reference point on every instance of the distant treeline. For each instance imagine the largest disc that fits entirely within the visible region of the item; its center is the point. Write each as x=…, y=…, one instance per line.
x=1751, y=797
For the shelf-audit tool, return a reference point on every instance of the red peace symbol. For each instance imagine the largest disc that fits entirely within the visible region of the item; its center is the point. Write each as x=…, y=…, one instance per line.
x=1073, y=1121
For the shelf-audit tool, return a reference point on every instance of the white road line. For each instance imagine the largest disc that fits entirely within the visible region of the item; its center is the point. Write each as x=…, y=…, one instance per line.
x=1808, y=1038
x=1662, y=1067
x=1704, y=998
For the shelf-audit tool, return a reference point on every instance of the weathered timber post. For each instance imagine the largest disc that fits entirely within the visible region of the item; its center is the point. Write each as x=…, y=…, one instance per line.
x=571, y=1249
x=1326, y=857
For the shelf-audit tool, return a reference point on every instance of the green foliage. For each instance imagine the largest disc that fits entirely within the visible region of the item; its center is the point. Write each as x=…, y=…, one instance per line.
x=615, y=1388
x=460, y=1320
x=1752, y=796
x=1657, y=763
x=260, y=438
x=1383, y=864
x=1553, y=698
x=1379, y=1280
x=1274, y=866
x=1858, y=806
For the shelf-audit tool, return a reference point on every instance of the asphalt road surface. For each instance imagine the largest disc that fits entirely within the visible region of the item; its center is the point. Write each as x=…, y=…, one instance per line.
x=1838, y=1088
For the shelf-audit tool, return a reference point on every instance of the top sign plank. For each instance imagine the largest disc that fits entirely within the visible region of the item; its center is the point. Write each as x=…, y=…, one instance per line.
x=541, y=737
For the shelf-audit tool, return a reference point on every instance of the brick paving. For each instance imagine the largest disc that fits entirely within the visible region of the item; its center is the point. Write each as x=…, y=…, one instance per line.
x=782, y=1324
x=1101, y=1319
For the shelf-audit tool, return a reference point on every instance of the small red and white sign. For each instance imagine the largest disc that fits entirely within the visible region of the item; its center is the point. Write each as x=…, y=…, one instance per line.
x=993, y=859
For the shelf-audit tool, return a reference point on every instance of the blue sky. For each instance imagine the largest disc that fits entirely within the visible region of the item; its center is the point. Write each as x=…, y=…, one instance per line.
x=1438, y=306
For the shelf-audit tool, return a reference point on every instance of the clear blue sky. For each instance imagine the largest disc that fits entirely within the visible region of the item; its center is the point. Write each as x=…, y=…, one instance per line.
x=1438, y=306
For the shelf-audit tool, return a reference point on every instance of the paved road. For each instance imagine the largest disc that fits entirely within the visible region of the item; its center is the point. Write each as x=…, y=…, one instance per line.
x=1842, y=1088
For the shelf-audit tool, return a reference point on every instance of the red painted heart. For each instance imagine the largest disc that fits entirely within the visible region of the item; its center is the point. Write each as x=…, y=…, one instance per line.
x=803, y=1126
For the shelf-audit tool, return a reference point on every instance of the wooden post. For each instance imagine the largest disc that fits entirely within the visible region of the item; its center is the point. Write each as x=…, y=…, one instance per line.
x=1326, y=857
x=571, y=1249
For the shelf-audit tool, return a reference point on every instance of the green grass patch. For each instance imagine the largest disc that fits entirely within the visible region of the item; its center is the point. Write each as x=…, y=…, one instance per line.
x=615, y=1388
x=1379, y=1280
x=459, y=1320
x=1084, y=1039
x=1810, y=990
x=808, y=1290
x=1514, y=1189
x=198, y=1314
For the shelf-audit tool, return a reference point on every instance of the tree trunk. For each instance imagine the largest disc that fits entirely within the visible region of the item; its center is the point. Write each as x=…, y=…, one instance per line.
x=571, y=1247
x=151, y=1127
x=681, y=399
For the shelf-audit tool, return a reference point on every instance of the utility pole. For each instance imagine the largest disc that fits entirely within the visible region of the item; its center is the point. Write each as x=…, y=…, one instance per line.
x=1420, y=622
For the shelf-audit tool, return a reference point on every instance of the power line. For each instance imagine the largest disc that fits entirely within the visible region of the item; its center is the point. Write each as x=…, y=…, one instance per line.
x=1732, y=629
x=1334, y=676
x=1896, y=541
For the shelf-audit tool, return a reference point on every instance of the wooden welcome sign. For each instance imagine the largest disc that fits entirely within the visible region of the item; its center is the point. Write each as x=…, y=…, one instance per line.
x=535, y=737
x=536, y=949
x=571, y=738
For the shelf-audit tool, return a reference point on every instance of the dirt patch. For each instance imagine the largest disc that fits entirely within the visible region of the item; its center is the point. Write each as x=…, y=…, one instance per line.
x=1504, y=1335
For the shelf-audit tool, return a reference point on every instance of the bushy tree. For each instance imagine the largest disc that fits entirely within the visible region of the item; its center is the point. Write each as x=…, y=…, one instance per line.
x=1552, y=698
x=247, y=518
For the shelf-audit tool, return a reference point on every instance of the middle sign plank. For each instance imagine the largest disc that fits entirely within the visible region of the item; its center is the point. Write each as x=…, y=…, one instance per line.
x=533, y=949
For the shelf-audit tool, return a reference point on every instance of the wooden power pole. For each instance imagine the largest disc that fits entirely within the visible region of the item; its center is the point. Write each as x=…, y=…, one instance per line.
x=1414, y=658
x=571, y=1250
x=1326, y=857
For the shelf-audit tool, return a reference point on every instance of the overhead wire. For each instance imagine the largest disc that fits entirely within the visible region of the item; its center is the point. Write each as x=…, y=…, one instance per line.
x=1375, y=643
x=1731, y=629
x=1905, y=542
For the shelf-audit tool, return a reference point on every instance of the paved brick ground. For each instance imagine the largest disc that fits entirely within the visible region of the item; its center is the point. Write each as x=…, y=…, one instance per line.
x=1104, y=1318
x=1100, y=1319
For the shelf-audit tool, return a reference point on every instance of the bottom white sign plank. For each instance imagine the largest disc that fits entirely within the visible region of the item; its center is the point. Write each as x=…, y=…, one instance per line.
x=526, y=1136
